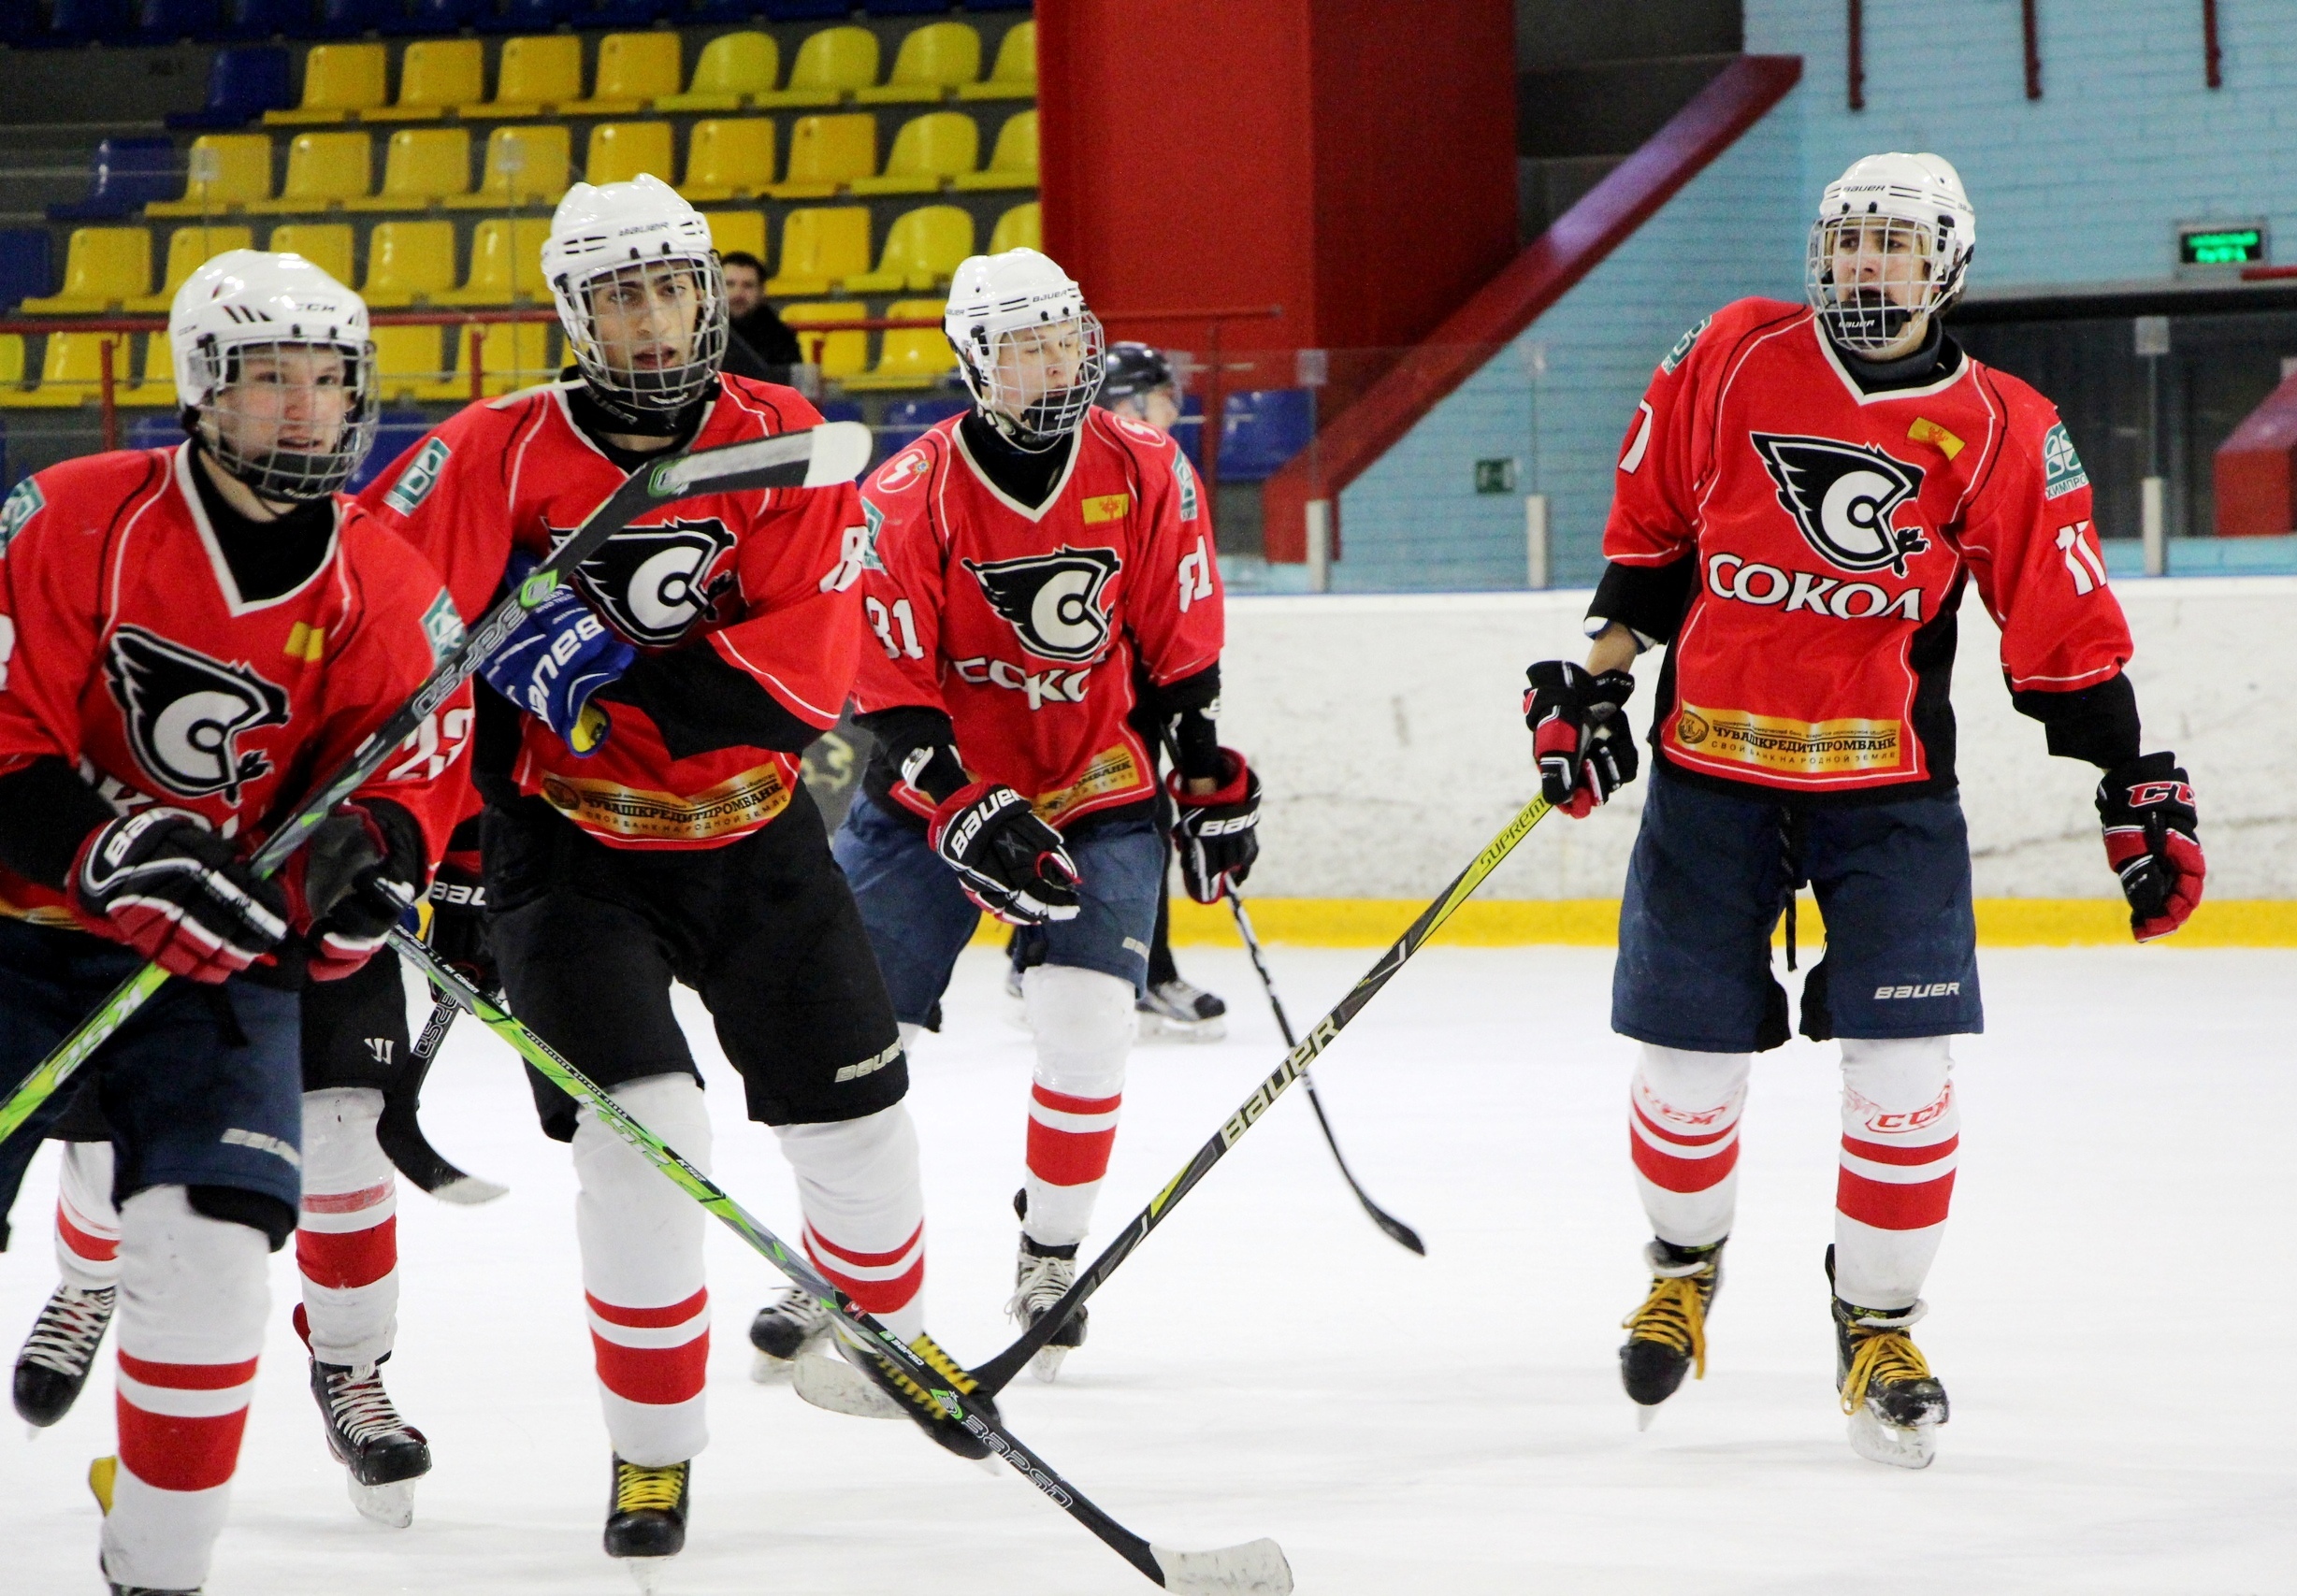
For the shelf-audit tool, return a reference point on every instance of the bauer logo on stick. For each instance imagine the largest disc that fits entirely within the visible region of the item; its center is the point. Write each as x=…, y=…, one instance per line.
x=185, y=713
x=1842, y=495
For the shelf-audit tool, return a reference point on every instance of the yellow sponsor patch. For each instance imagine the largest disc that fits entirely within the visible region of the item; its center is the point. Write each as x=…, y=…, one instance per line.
x=1806, y=748
x=306, y=642
x=1107, y=506
x=1925, y=431
x=1112, y=771
x=736, y=804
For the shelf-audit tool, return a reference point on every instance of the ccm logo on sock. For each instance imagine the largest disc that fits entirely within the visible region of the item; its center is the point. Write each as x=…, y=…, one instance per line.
x=1936, y=989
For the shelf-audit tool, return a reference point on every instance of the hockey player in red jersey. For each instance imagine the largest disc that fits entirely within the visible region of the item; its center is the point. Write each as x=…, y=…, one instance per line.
x=645, y=822
x=1804, y=496
x=1017, y=563
x=189, y=637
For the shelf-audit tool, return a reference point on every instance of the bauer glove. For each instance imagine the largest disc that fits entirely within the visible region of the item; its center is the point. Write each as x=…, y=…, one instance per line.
x=2145, y=809
x=457, y=928
x=1009, y=862
x=177, y=894
x=1216, y=834
x=559, y=656
x=1582, y=741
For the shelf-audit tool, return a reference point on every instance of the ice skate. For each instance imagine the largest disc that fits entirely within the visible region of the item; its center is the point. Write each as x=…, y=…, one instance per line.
x=645, y=1518
x=1042, y=1275
x=381, y=1454
x=1895, y=1404
x=59, y=1352
x=1182, y=1011
x=784, y=1331
x=1668, y=1335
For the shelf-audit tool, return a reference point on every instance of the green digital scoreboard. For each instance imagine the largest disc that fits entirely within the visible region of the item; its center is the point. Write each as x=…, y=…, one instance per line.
x=2212, y=247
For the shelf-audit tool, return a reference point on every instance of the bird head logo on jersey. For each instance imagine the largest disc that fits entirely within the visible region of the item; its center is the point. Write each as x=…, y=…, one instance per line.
x=1054, y=601
x=185, y=713
x=654, y=584
x=1842, y=495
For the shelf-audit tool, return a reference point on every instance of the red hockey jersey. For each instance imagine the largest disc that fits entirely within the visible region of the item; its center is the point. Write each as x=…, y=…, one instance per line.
x=747, y=574
x=125, y=647
x=1832, y=531
x=1024, y=625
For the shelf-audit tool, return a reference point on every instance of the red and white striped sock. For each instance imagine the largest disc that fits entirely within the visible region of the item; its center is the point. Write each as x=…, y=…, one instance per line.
x=347, y=1235
x=649, y=1307
x=1084, y=1025
x=864, y=1207
x=1902, y=1131
x=87, y=1225
x=1682, y=1131
x=194, y=1297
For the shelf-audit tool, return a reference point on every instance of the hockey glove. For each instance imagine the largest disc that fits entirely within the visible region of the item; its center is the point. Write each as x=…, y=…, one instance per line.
x=560, y=655
x=1009, y=862
x=1582, y=741
x=173, y=890
x=2146, y=809
x=1217, y=834
x=458, y=932
x=346, y=888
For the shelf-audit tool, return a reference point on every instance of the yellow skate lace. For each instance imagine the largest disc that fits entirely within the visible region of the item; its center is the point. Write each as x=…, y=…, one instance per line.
x=639, y=1489
x=1887, y=1355
x=1674, y=1314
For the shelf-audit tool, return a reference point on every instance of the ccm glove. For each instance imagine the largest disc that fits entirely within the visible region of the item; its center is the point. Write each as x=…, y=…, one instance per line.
x=1217, y=834
x=559, y=657
x=177, y=893
x=1010, y=863
x=361, y=871
x=1586, y=750
x=2146, y=809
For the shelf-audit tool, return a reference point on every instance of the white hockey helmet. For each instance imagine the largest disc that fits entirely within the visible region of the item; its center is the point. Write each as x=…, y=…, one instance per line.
x=1908, y=224
x=248, y=303
x=644, y=240
x=1028, y=348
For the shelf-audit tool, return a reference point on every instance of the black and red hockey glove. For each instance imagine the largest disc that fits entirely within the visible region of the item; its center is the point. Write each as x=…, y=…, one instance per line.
x=177, y=894
x=1217, y=834
x=457, y=928
x=362, y=869
x=1579, y=735
x=2151, y=830
x=1009, y=862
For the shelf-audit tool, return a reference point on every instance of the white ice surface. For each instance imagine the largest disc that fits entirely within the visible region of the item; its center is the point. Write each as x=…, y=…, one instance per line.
x=2112, y=1314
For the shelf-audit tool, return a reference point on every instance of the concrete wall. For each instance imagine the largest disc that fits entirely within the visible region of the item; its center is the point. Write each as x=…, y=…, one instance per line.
x=1388, y=732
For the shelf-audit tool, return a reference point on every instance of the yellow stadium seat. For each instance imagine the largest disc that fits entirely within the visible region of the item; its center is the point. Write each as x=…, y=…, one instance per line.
x=1013, y=165
x=524, y=166
x=11, y=362
x=737, y=232
x=512, y=356
x=826, y=153
x=831, y=66
x=325, y=171
x=156, y=390
x=928, y=152
x=932, y=61
x=339, y=80
x=408, y=261
x=1020, y=228
x=228, y=171
x=922, y=249
x=619, y=151
x=435, y=76
x=103, y=267
x=840, y=355
x=729, y=157
x=506, y=263
x=733, y=67
x=912, y=357
x=71, y=372
x=422, y=166
x=326, y=244
x=409, y=359
x=188, y=250
x=1015, y=76
x=537, y=76
x=634, y=70
x=822, y=248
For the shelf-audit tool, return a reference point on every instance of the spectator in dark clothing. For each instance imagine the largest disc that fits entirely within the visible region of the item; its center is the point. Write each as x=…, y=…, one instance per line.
x=757, y=330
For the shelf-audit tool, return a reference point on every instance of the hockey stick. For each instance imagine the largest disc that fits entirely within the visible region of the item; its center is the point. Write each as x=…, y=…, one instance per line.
x=1403, y=1235
x=819, y=456
x=399, y=1132
x=1252, y=1569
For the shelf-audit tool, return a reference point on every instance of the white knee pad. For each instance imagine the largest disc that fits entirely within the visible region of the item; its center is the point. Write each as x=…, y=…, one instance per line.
x=1692, y=1082
x=1896, y=1077
x=844, y=1157
x=1901, y=1135
x=1084, y=1026
x=89, y=1260
x=1684, y=1140
x=340, y=1150
x=864, y=1207
x=193, y=1289
x=641, y=1235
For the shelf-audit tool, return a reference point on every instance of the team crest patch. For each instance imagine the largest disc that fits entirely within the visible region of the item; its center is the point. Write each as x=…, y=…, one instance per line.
x=654, y=584
x=1054, y=601
x=422, y=475
x=1185, y=474
x=185, y=713
x=444, y=627
x=1843, y=497
x=1683, y=346
x=2061, y=466
x=23, y=503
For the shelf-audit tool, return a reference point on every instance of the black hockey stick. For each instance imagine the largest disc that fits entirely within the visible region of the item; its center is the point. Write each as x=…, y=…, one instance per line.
x=1256, y=1568
x=1403, y=1235
x=399, y=1132
x=819, y=456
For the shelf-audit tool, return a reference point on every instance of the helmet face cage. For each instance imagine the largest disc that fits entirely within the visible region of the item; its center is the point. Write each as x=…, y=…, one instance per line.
x=1869, y=275
x=643, y=389
x=280, y=474
x=997, y=366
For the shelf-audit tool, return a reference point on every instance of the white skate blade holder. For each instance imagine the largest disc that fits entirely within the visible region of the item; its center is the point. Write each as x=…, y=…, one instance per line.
x=768, y=1370
x=648, y=1572
x=1045, y=1365
x=390, y=1505
x=1257, y=1568
x=1900, y=1445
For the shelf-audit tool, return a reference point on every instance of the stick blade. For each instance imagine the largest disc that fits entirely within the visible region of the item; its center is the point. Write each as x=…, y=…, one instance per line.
x=469, y=1191
x=842, y=450
x=1257, y=1568
x=835, y=1386
x=820, y=457
x=1403, y=1235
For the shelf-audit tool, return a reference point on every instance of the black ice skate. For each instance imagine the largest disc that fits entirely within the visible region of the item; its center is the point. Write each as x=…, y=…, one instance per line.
x=645, y=1517
x=1667, y=1336
x=1185, y=1013
x=1042, y=1275
x=1895, y=1404
x=60, y=1351
x=381, y=1454
x=783, y=1332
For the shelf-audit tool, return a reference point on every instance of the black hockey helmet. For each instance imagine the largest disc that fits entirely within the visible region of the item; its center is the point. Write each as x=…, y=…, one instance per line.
x=1128, y=370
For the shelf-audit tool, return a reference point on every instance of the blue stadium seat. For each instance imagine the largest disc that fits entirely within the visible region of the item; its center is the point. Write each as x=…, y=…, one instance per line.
x=261, y=19
x=437, y=16
x=396, y=433
x=26, y=269
x=1190, y=432
x=21, y=22
x=129, y=174
x=809, y=10
x=77, y=21
x=243, y=82
x=908, y=418
x=619, y=13
x=707, y=11
x=520, y=16
x=350, y=19
x=840, y=409
x=162, y=431
x=165, y=22
x=1261, y=430
x=904, y=8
